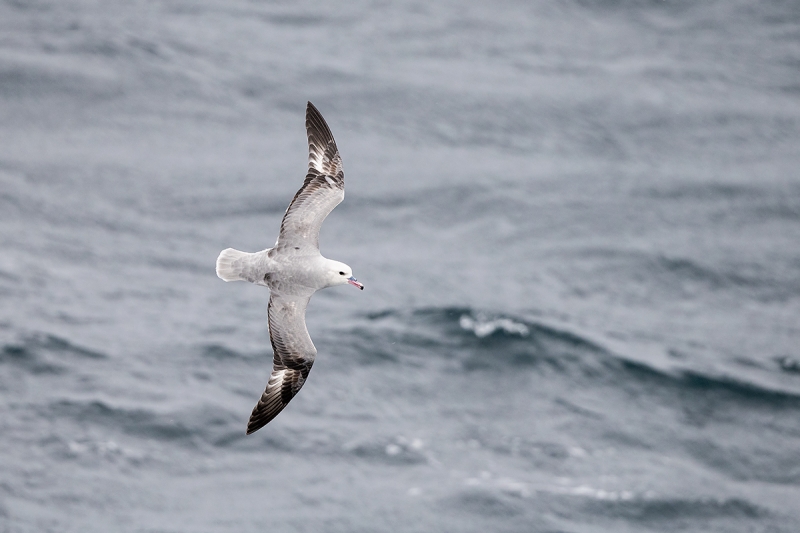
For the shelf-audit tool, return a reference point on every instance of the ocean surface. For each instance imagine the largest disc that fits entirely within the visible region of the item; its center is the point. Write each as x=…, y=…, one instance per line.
x=578, y=225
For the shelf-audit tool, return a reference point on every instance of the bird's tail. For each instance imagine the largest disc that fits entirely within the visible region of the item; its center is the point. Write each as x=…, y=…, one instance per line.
x=231, y=264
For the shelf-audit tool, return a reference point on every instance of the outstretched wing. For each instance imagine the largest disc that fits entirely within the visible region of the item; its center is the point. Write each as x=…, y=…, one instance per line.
x=293, y=356
x=322, y=190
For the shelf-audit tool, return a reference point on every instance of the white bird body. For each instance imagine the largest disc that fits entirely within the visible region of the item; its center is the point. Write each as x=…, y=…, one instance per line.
x=294, y=270
x=295, y=274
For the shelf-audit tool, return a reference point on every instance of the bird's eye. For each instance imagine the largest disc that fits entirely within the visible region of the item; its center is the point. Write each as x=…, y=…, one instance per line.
x=341, y=273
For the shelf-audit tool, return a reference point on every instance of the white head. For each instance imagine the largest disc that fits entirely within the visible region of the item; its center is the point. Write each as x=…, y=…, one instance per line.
x=340, y=274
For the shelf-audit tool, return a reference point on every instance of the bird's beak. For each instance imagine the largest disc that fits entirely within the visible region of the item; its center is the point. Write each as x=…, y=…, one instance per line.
x=354, y=282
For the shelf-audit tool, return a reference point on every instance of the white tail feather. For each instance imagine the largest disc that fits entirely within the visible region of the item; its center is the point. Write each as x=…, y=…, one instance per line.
x=231, y=264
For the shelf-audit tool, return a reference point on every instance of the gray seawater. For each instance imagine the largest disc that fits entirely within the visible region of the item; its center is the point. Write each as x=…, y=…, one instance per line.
x=578, y=224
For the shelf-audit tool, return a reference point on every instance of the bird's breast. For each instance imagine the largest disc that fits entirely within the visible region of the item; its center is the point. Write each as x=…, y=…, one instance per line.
x=295, y=276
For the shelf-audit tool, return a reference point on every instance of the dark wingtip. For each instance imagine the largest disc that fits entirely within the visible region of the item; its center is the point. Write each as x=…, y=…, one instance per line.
x=252, y=428
x=313, y=115
x=260, y=418
x=317, y=127
x=256, y=422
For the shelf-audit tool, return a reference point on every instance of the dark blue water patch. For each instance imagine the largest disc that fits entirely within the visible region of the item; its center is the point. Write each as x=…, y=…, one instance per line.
x=57, y=344
x=29, y=360
x=675, y=511
x=484, y=341
x=705, y=404
x=450, y=340
x=44, y=354
x=477, y=341
x=199, y=426
x=723, y=387
x=742, y=389
x=140, y=422
x=773, y=462
x=788, y=364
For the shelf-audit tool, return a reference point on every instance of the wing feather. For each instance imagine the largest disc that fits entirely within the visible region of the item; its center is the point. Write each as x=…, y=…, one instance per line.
x=322, y=190
x=293, y=356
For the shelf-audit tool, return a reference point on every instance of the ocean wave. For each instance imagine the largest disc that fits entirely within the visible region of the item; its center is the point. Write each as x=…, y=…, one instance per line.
x=484, y=327
x=30, y=360
x=484, y=341
x=670, y=509
x=44, y=354
x=137, y=421
x=749, y=461
x=201, y=425
x=475, y=340
x=789, y=364
x=758, y=283
x=698, y=382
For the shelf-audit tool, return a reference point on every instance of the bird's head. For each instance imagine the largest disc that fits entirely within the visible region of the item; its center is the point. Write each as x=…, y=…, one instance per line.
x=341, y=274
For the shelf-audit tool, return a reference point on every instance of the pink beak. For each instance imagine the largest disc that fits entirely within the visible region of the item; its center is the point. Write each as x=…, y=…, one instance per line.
x=354, y=282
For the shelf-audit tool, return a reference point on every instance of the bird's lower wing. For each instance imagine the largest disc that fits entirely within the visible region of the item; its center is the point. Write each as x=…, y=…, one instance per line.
x=293, y=356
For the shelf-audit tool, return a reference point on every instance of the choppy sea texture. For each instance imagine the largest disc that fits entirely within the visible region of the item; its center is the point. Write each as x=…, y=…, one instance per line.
x=577, y=224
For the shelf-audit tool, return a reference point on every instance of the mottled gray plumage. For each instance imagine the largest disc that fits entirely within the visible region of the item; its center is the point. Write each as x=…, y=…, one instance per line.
x=322, y=190
x=294, y=270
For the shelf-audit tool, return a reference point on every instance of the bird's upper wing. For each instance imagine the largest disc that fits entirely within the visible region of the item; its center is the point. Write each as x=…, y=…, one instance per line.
x=293, y=356
x=322, y=190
